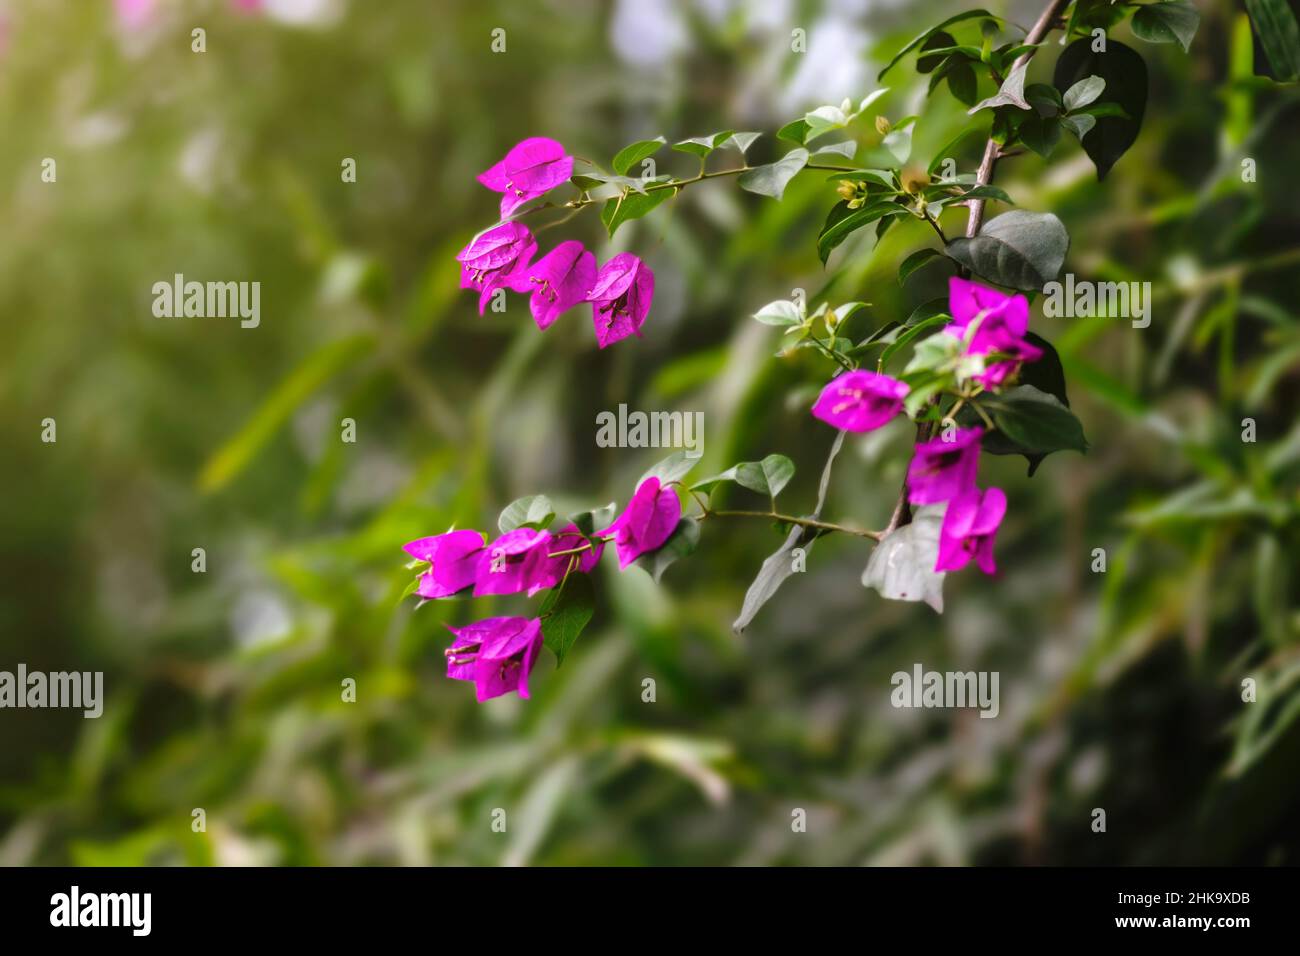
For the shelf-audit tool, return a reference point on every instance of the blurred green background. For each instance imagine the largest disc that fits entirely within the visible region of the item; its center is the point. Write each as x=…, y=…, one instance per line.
x=1119, y=690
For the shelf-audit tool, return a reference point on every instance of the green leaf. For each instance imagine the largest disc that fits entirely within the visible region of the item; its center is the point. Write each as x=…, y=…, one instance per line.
x=1079, y=125
x=589, y=522
x=913, y=332
x=771, y=180
x=1012, y=92
x=680, y=543
x=767, y=477
x=988, y=192
x=631, y=206
x=1279, y=34
x=629, y=156
x=901, y=567
x=835, y=233
x=921, y=38
x=1044, y=98
x=1172, y=22
x=782, y=312
x=1023, y=250
x=1033, y=422
x=1041, y=134
x=939, y=40
x=794, y=132
x=915, y=261
x=847, y=149
x=1046, y=374
x=1082, y=93
x=742, y=141
x=962, y=83
x=702, y=146
x=1125, y=76
x=531, y=511
x=673, y=468
x=565, y=612
x=898, y=142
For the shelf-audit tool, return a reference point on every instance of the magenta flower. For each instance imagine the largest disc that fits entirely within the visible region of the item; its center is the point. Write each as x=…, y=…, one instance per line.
x=1003, y=321
x=497, y=654
x=646, y=523
x=558, y=281
x=969, y=526
x=942, y=470
x=453, y=558
x=494, y=258
x=621, y=298
x=531, y=168
x=513, y=562
x=552, y=564
x=860, y=401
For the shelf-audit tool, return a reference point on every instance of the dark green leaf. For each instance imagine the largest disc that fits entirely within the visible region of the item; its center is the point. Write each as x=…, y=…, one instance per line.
x=918, y=40
x=1046, y=374
x=1041, y=134
x=1034, y=422
x=1044, y=98
x=1172, y=22
x=962, y=83
x=1126, y=84
x=927, y=64
x=845, y=225
x=1279, y=34
x=565, y=613
x=915, y=261
x=1023, y=250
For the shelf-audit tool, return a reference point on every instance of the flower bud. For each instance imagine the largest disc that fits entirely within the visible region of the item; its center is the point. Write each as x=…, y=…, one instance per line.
x=882, y=125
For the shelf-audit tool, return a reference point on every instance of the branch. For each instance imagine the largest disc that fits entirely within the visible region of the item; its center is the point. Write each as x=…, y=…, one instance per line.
x=1042, y=26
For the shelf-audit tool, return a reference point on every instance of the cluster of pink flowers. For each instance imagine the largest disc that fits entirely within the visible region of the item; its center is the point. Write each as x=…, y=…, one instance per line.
x=620, y=291
x=498, y=653
x=944, y=469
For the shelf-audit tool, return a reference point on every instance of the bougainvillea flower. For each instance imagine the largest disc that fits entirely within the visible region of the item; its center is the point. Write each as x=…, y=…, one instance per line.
x=453, y=558
x=134, y=13
x=943, y=469
x=969, y=526
x=968, y=301
x=860, y=401
x=646, y=523
x=558, y=281
x=1002, y=321
x=531, y=168
x=513, y=562
x=553, y=562
x=497, y=654
x=621, y=298
x=493, y=258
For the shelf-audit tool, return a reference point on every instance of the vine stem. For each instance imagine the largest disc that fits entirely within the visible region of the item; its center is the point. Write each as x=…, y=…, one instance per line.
x=577, y=204
x=801, y=522
x=992, y=152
